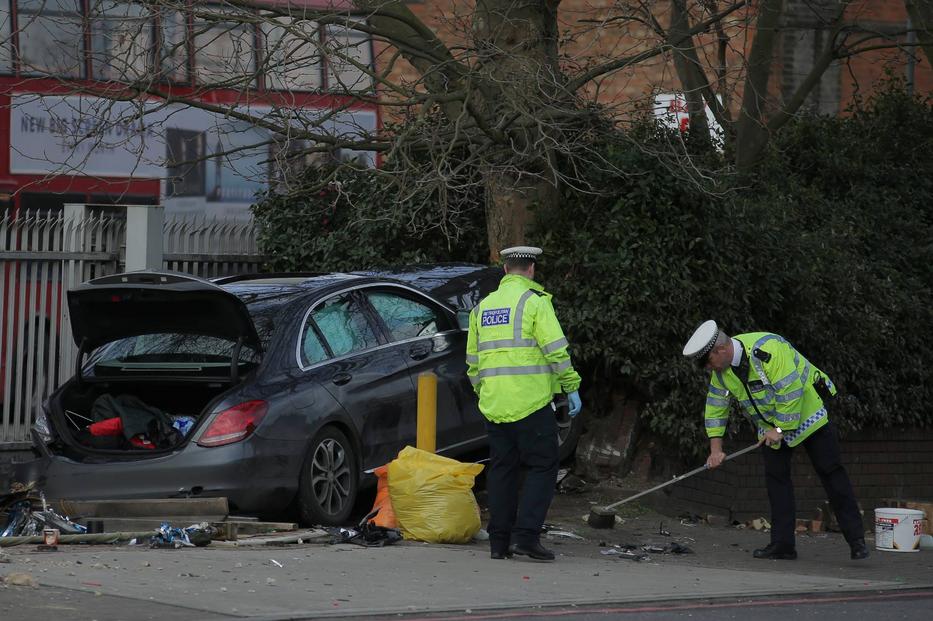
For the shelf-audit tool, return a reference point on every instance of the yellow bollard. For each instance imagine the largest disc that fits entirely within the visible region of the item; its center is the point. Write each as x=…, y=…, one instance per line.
x=427, y=412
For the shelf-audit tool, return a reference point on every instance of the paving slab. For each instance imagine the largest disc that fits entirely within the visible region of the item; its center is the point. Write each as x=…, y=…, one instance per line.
x=341, y=580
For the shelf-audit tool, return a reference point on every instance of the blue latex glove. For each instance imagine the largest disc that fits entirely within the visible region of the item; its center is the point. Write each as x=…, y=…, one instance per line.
x=575, y=404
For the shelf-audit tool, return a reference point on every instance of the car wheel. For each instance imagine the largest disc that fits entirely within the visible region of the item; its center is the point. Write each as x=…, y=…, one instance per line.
x=329, y=479
x=568, y=430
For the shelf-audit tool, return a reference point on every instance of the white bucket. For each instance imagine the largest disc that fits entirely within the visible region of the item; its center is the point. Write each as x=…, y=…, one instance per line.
x=898, y=530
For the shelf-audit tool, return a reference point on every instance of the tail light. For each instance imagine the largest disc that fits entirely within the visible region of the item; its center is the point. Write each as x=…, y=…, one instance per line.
x=234, y=424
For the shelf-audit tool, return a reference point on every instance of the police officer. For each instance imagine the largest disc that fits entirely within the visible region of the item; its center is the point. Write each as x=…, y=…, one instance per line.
x=782, y=394
x=517, y=360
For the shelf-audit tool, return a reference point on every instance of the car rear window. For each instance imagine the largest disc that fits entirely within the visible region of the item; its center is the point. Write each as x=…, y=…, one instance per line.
x=172, y=348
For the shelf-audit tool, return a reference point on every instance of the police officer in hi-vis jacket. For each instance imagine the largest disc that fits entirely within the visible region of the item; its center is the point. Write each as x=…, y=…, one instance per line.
x=517, y=361
x=782, y=393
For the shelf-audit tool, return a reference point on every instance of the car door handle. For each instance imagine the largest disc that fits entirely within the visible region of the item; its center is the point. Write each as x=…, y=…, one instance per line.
x=420, y=351
x=341, y=378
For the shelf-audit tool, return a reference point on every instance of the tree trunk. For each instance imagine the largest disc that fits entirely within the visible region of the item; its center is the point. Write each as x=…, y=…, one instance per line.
x=509, y=201
x=516, y=42
x=751, y=128
x=921, y=14
x=687, y=64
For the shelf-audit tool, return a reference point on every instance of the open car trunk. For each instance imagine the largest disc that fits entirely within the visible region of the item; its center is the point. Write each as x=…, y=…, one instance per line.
x=155, y=350
x=129, y=420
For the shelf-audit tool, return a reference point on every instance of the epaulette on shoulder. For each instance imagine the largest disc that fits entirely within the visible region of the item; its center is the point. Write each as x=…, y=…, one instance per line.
x=538, y=293
x=762, y=354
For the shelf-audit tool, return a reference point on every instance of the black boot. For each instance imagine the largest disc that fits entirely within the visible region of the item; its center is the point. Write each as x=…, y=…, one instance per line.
x=534, y=550
x=859, y=550
x=776, y=551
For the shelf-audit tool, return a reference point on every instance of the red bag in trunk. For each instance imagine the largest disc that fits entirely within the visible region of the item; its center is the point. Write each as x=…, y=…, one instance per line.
x=107, y=427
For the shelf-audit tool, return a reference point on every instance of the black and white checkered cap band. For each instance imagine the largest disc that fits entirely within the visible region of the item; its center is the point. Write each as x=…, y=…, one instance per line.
x=708, y=346
x=520, y=255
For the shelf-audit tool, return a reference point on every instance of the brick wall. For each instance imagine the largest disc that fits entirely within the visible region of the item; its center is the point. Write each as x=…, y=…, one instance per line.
x=799, y=46
x=895, y=464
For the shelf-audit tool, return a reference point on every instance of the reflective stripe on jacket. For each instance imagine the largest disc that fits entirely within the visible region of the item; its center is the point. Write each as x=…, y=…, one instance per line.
x=517, y=356
x=782, y=388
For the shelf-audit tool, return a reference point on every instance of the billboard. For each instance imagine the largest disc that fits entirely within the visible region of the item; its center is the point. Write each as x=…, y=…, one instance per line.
x=210, y=163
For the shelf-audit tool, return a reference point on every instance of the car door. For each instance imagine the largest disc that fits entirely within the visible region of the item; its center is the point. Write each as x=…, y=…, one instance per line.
x=345, y=351
x=430, y=340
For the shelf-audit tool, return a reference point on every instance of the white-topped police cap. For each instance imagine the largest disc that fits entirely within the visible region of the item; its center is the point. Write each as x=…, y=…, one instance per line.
x=702, y=340
x=520, y=252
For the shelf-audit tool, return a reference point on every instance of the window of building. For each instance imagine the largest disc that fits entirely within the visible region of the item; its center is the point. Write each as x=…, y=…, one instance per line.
x=121, y=40
x=223, y=50
x=348, y=50
x=6, y=38
x=292, y=55
x=51, y=36
x=173, y=45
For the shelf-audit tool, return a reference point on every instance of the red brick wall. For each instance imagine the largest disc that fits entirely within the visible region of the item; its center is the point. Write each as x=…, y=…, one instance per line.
x=591, y=43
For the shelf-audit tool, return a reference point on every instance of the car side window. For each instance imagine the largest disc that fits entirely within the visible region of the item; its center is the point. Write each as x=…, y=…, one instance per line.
x=404, y=317
x=344, y=326
x=312, y=349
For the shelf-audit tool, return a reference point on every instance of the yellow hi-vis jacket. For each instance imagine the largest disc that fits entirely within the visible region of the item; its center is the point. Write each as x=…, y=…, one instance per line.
x=517, y=357
x=780, y=380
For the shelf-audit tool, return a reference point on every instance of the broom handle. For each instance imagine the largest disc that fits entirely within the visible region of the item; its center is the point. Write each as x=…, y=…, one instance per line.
x=680, y=478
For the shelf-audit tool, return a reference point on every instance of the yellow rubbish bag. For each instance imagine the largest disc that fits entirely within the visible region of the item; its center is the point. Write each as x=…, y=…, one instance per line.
x=433, y=497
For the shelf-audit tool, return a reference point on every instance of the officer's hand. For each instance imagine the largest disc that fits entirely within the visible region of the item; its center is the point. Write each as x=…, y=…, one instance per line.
x=772, y=436
x=715, y=459
x=575, y=404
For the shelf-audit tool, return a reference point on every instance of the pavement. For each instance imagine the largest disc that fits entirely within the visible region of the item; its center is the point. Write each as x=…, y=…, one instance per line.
x=320, y=580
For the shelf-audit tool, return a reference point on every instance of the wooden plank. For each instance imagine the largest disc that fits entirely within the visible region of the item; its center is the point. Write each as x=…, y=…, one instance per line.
x=155, y=508
x=121, y=524
x=256, y=528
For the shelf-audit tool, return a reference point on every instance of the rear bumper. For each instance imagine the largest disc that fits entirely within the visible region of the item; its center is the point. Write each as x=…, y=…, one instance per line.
x=256, y=476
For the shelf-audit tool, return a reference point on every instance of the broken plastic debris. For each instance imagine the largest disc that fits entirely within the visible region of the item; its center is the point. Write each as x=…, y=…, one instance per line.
x=23, y=521
x=195, y=535
x=563, y=533
x=633, y=556
x=276, y=563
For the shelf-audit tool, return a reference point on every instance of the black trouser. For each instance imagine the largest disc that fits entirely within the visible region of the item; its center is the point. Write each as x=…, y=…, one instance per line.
x=528, y=446
x=823, y=449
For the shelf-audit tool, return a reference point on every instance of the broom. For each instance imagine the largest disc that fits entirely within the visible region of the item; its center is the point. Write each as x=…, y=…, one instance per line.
x=605, y=517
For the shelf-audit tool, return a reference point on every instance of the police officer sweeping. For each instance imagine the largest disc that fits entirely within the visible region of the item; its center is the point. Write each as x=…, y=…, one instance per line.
x=783, y=394
x=517, y=361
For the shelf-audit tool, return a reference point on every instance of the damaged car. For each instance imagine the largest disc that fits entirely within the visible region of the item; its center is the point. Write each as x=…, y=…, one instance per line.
x=275, y=391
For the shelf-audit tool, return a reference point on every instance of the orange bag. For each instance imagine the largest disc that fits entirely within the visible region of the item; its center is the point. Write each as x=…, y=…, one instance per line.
x=386, y=516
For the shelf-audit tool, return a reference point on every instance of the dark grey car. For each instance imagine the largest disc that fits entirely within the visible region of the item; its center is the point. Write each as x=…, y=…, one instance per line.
x=267, y=390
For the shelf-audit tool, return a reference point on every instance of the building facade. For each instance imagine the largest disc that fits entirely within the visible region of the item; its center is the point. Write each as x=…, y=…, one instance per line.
x=61, y=142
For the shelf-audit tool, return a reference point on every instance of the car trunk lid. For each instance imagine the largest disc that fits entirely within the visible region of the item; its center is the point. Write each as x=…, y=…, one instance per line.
x=123, y=305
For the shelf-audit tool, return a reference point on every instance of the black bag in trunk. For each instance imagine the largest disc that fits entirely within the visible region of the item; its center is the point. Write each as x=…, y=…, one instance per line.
x=139, y=418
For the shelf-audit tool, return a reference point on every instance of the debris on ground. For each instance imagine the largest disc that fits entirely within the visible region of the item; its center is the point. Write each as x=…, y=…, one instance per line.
x=568, y=483
x=196, y=535
x=662, y=531
x=619, y=552
x=24, y=521
x=618, y=519
x=759, y=524
x=566, y=534
x=19, y=579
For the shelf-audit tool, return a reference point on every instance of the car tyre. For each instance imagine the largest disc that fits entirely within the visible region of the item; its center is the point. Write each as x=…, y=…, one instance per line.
x=329, y=479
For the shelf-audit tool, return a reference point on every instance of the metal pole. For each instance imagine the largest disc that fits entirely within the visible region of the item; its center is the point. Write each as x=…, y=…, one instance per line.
x=427, y=412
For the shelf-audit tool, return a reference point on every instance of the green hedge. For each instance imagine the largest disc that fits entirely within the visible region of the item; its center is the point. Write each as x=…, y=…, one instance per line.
x=831, y=246
x=347, y=219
